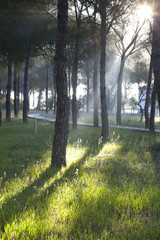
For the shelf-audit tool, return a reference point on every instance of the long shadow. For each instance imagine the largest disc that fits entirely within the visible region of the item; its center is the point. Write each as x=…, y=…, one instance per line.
x=26, y=199
x=104, y=216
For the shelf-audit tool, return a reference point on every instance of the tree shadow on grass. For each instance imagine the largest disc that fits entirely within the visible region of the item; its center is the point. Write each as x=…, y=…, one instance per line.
x=27, y=199
x=122, y=208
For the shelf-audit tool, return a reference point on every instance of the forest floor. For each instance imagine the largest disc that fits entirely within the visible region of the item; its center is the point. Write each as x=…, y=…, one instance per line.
x=107, y=191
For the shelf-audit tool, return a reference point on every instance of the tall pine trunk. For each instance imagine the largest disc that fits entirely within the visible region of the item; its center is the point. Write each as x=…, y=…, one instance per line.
x=156, y=48
x=47, y=85
x=18, y=93
x=55, y=94
x=26, y=87
x=95, y=86
x=119, y=92
x=74, y=82
x=88, y=88
x=69, y=87
x=39, y=99
x=62, y=115
x=15, y=92
x=104, y=113
x=9, y=86
x=95, y=72
x=0, y=114
x=153, y=104
x=147, y=101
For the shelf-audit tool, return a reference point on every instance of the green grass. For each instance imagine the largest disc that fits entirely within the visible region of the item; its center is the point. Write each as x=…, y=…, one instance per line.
x=109, y=191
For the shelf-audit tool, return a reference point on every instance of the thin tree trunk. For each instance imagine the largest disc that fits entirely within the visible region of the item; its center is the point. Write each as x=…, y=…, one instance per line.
x=141, y=111
x=55, y=94
x=62, y=116
x=104, y=113
x=39, y=99
x=88, y=89
x=156, y=48
x=18, y=95
x=0, y=107
x=153, y=104
x=69, y=86
x=33, y=98
x=147, y=101
x=119, y=92
x=74, y=83
x=26, y=88
x=95, y=75
x=15, y=92
x=9, y=85
x=52, y=96
x=95, y=86
x=0, y=114
x=47, y=84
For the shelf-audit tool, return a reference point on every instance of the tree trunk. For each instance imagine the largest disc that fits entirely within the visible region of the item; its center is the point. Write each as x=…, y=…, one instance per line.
x=62, y=115
x=0, y=114
x=26, y=88
x=39, y=99
x=18, y=95
x=15, y=92
x=9, y=86
x=156, y=47
x=88, y=89
x=69, y=86
x=74, y=83
x=153, y=104
x=95, y=86
x=104, y=113
x=47, y=84
x=55, y=94
x=0, y=107
x=141, y=111
x=147, y=101
x=119, y=92
x=33, y=99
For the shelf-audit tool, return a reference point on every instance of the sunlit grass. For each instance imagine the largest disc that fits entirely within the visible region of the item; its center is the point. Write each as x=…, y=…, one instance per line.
x=106, y=191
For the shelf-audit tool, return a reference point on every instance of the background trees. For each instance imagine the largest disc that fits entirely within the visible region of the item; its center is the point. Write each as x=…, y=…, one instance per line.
x=27, y=41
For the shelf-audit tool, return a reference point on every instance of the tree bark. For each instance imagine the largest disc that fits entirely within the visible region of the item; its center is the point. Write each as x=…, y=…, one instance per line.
x=74, y=82
x=153, y=104
x=9, y=86
x=95, y=86
x=0, y=114
x=88, y=88
x=55, y=94
x=15, y=92
x=18, y=92
x=147, y=101
x=104, y=113
x=156, y=47
x=47, y=84
x=62, y=115
x=69, y=86
x=119, y=92
x=26, y=88
x=39, y=99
